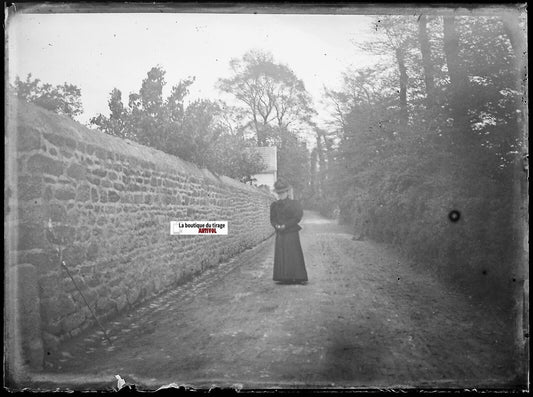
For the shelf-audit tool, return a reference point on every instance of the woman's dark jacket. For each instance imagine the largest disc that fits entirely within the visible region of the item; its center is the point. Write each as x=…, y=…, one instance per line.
x=286, y=212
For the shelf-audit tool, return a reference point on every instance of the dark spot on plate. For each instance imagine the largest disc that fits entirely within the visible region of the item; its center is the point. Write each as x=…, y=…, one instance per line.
x=454, y=216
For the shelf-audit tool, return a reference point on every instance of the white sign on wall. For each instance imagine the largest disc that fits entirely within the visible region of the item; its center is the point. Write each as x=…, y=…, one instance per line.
x=193, y=228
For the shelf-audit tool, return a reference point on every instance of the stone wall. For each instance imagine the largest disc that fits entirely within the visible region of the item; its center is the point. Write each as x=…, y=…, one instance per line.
x=110, y=202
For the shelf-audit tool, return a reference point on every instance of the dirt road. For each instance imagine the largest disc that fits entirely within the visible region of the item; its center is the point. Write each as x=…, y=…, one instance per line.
x=364, y=319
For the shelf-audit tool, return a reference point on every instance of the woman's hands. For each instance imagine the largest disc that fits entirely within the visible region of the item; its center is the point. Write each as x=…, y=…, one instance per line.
x=280, y=227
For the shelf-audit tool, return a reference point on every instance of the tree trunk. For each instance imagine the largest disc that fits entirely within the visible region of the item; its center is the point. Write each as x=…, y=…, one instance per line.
x=425, y=49
x=511, y=24
x=404, y=115
x=257, y=127
x=458, y=83
x=322, y=170
x=314, y=174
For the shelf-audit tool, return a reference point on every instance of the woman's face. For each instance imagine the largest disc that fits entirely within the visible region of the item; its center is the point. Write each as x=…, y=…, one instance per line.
x=283, y=195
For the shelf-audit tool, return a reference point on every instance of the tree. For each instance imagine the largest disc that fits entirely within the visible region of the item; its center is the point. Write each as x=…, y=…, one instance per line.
x=149, y=118
x=361, y=88
x=458, y=151
x=395, y=35
x=116, y=123
x=233, y=156
x=201, y=130
x=197, y=132
x=62, y=99
x=276, y=107
x=273, y=97
x=293, y=163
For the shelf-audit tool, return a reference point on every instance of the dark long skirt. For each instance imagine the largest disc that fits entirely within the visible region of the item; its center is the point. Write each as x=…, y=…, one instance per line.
x=289, y=265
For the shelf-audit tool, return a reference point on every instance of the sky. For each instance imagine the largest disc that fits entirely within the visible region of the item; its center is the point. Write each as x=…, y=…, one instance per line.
x=100, y=51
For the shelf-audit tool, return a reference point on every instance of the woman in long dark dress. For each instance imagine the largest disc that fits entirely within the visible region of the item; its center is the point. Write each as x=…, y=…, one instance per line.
x=289, y=265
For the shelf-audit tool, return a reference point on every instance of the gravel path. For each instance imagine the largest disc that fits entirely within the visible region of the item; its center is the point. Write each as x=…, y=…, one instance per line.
x=365, y=319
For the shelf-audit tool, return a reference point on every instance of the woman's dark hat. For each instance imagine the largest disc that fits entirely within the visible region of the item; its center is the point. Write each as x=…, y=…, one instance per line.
x=281, y=186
